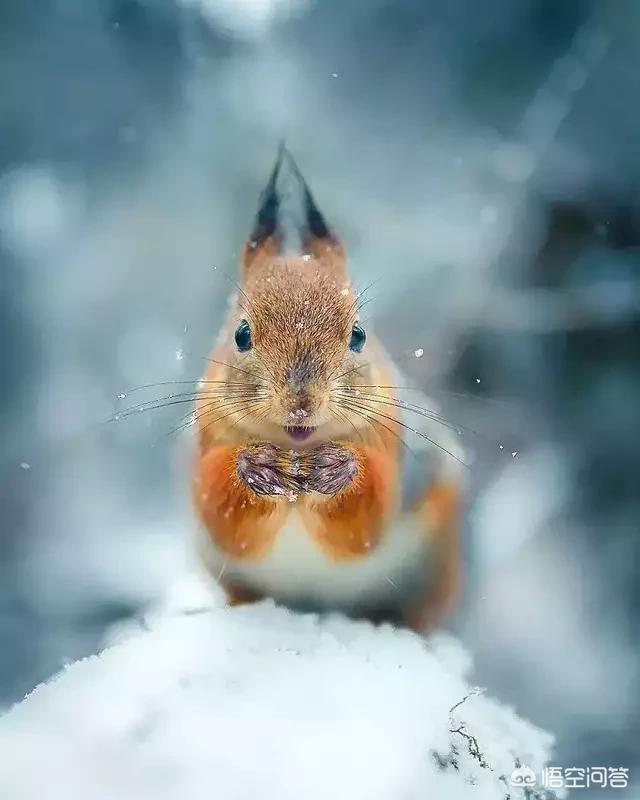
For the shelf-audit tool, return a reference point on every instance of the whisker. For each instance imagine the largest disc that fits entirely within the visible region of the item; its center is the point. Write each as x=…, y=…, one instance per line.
x=349, y=371
x=418, y=433
x=230, y=366
x=219, y=391
x=244, y=416
x=178, y=399
x=415, y=409
x=235, y=406
x=476, y=398
x=372, y=420
x=269, y=371
x=345, y=418
x=189, y=420
x=251, y=308
x=133, y=410
x=380, y=386
x=177, y=383
x=355, y=307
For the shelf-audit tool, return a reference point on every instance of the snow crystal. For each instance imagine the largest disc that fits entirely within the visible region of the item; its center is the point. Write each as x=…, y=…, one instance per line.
x=25, y=465
x=179, y=354
x=419, y=352
x=259, y=702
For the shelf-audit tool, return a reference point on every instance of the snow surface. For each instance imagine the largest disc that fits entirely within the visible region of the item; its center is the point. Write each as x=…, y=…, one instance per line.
x=202, y=701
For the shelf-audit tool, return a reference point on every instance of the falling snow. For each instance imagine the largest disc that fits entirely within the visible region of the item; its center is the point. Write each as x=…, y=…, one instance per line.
x=419, y=352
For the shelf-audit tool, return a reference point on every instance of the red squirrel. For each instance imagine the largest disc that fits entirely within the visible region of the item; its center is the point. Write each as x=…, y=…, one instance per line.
x=302, y=480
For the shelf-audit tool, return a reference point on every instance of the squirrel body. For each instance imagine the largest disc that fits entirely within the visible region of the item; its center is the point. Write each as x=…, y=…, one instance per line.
x=302, y=481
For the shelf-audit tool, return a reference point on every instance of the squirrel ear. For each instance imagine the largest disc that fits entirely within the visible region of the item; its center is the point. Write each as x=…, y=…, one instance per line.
x=267, y=236
x=265, y=239
x=317, y=237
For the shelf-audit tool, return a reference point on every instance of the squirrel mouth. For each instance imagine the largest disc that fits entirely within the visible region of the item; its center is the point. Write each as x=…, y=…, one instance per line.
x=299, y=432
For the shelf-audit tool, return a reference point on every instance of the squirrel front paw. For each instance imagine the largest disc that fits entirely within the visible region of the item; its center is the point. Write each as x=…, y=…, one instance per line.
x=329, y=468
x=267, y=469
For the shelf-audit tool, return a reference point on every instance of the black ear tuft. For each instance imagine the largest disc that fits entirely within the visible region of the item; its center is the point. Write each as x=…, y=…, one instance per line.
x=289, y=219
x=266, y=222
x=315, y=220
x=315, y=223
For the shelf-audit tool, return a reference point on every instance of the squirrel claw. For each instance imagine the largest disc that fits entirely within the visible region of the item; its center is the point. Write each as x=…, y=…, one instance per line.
x=331, y=468
x=263, y=468
x=269, y=470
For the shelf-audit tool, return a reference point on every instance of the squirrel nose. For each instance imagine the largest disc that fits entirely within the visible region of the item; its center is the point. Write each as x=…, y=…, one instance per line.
x=298, y=416
x=300, y=404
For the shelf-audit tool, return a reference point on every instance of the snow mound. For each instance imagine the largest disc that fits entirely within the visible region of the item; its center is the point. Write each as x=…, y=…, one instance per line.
x=259, y=702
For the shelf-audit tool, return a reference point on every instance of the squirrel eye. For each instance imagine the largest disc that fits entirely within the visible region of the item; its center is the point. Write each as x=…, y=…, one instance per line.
x=243, y=336
x=358, y=338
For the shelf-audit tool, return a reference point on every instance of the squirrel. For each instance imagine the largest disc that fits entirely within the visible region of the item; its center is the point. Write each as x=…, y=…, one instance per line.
x=302, y=481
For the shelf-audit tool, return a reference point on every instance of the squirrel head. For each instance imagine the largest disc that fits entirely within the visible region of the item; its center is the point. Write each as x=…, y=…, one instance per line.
x=294, y=337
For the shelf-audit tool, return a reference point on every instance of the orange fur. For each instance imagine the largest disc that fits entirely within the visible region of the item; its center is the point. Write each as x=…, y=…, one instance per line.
x=328, y=252
x=348, y=525
x=254, y=254
x=243, y=524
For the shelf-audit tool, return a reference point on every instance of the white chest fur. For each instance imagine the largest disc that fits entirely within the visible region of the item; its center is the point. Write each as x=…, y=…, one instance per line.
x=297, y=570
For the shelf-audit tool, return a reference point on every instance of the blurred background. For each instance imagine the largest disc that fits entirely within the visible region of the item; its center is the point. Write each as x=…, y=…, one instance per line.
x=482, y=163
